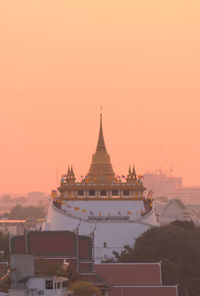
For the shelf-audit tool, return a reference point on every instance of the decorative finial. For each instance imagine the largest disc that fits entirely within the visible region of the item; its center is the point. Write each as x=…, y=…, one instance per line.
x=129, y=171
x=101, y=116
x=68, y=172
x=72, y=171
x=101, y=143
x=133, y=169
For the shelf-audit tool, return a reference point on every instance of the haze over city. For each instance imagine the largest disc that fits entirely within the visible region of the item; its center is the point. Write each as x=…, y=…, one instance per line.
x=61, y=61
x=99, y=127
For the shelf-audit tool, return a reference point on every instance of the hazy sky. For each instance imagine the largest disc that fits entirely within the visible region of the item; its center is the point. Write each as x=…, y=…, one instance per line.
x=61, y=60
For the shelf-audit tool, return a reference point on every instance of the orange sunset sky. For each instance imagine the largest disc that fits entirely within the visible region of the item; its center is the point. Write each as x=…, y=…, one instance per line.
x=61, y=60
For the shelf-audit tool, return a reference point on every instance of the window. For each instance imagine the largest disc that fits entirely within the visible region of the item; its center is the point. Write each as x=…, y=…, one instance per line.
x=80, y=192
x=115, y=192
x=126, y=192
x=58, y=285
x=105, y=245
x=64, y=284
x=48, y=285
x=103, y=192
x=91, y=192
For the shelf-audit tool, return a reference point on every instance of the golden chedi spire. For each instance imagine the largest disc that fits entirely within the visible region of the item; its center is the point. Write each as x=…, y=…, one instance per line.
x=101, y=170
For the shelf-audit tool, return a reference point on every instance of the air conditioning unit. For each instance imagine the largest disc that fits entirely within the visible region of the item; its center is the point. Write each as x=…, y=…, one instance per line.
x=41, y=292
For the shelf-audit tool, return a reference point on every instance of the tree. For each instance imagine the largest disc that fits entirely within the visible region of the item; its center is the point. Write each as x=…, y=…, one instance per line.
x=56, y=268
x=29, y=212
x=68, y=270
x=81, y=288
x=177, y=246
x=6, y=198
x=5, y=285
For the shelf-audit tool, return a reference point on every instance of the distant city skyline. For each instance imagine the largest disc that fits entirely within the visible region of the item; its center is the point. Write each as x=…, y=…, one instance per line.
x=61, y=62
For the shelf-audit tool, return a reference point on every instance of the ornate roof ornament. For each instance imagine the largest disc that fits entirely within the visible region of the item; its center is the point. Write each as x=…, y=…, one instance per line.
x=101, y=142
x=101, y=170
x=68, y=171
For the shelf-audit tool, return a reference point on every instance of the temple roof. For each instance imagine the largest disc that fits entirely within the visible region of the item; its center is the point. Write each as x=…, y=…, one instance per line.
x=127, y=274
x=101, y=143
x=101, y=170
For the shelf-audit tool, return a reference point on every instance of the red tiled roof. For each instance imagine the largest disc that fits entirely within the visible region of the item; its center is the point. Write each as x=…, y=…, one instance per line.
x=18, y=244
x=85, y=266
x=130, y=273
x=85, y=247
x=144, y=291
x=51, y=242
x=96, y=279
x=54, y=243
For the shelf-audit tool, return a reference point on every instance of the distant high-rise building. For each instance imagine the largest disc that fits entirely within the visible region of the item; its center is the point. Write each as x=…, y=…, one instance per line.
x=162, y=185
x=189, y=194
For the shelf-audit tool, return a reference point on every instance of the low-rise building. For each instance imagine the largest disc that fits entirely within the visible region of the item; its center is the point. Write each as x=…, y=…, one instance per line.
x=16, y=227
x=25, y=283
x=189, y=194
x=43, y=285
x=28, y=252
x=174, y=210
x=139, y=279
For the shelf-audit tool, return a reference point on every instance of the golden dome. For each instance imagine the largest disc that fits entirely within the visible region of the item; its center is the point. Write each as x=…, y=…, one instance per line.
x=101, y=170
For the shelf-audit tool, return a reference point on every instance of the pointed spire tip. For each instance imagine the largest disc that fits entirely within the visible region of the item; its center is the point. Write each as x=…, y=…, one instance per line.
x=101, y=142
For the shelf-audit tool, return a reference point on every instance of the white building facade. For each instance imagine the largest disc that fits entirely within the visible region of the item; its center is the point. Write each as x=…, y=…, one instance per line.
x=43, y=285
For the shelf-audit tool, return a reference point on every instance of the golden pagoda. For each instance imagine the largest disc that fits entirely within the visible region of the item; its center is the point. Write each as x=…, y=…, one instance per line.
x=101, y=181
x=101, y=170
x=110, y=207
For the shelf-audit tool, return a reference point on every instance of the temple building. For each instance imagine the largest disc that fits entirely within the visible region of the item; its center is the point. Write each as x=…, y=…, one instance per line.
x=111, y=208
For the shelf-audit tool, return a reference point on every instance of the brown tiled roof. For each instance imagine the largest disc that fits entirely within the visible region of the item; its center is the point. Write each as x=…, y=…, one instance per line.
x=54, y=243
x=51, y=243
x=85, y=266
x=96, y=279
x=130, y=273
x=85, y=247
x=18, y=245
x=144, y=291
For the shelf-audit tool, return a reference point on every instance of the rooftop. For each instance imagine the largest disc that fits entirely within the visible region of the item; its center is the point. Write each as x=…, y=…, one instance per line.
x=130, y=273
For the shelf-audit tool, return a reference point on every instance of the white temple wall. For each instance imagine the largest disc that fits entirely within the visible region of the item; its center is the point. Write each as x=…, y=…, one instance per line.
x=122, y=234
x=108, y=236
x=150, y=219
x=98, y=208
